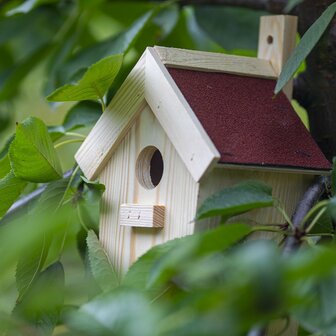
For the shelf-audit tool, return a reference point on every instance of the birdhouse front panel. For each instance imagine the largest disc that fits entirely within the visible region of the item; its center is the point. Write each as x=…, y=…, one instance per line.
x=150, y=196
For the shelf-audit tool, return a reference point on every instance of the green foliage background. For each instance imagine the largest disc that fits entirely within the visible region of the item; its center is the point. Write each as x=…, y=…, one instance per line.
x=55, y=276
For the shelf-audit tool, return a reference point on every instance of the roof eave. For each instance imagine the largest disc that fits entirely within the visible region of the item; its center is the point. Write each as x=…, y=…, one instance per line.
x=274, y=169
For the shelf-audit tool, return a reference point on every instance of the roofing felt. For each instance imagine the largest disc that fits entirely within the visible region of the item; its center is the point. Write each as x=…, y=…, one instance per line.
x=247, y=124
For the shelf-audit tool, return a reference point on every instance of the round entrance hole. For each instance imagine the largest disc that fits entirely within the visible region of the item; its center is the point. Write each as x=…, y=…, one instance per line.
x=149, y=167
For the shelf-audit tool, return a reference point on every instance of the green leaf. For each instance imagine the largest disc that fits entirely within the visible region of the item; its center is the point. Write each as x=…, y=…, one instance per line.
x=101, y=267
x=43, y=302
x=10, y=189
x=88, y=202
x=26, y=6
x=185, y=249
x=83, y=114
x=291, y=4
x=307, y=43
x=13, y=76
x=232, y=28
x=5, y=149
x=119, y=44
x=319, y=313
x=323, y=225
x=138, y=274
x=5, y=166
x=122, y=313
x=32, y=155
x=236, y=200
x=94, y=83
x=55, y=193
x=331, y=207
x=333, y=178
x=30, y=265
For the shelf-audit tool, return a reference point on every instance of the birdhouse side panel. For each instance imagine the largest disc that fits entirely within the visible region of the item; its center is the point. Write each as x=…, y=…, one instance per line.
x=287, y=187
x=144, y=177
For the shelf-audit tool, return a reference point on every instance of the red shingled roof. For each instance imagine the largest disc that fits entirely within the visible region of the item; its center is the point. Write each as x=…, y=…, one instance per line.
x=247, y=124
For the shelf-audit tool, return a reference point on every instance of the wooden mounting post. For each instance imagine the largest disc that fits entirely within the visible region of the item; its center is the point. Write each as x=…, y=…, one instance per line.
x=277, y=40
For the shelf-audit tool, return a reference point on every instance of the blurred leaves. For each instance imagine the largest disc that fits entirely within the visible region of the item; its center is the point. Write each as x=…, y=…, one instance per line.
x=210, y=283
x=185, y=249
x=83, y=114
x=27, y=6
x=291, y=4
x=32, y=154
x=26, y=40
x=118, y=44
x=100, y=265
x=318, y=315
x=333, y=178
x=94, y=83
x=41, y=309
x=30, y=265
x=232, y=28
x=122, y=313
x=236, y=200
x=10, y=189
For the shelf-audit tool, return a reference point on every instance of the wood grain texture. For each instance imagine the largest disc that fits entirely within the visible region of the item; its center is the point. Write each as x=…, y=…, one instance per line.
x=177, y=118
x=140, y=215
x=114, y=123
x=177, y=191
x=277, y=39
x=215, y=62
x=287, y=187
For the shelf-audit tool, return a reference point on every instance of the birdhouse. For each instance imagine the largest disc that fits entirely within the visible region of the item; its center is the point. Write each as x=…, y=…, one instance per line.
x=186, y=124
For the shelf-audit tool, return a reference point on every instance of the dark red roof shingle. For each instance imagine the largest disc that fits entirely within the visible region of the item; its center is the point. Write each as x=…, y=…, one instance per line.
x=247, y=124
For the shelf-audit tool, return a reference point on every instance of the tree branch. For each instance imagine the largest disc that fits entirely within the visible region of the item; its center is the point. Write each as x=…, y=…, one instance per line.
x=317, y=189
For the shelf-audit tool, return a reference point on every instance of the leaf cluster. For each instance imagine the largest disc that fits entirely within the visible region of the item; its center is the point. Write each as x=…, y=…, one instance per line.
x=211, y=283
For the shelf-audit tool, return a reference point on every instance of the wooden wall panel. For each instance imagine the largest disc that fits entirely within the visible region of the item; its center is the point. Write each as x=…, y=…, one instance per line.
x=287, y=187
x=177, y=191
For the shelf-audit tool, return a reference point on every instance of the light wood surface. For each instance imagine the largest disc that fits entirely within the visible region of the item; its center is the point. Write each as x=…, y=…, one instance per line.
x=215, y=62
x=287, y=187
x=140, y=215
x=114, y=123
x=277, y=39
x=176, y=117
x=177, y=191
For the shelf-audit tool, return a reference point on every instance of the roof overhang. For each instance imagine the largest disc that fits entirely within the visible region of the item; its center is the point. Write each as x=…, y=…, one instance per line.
x=273, y=169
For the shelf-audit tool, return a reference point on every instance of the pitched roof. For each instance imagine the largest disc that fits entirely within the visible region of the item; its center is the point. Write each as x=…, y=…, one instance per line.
x=208, y=115
x=247, y=124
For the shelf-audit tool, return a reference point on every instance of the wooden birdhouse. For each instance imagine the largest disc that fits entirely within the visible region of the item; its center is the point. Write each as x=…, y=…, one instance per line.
x=185, y=124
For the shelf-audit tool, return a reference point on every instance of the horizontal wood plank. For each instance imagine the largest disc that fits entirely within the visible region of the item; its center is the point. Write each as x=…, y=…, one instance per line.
x=216, y=62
